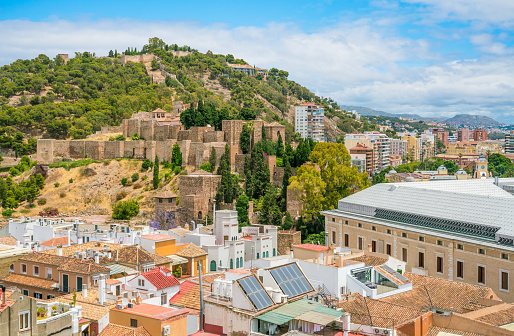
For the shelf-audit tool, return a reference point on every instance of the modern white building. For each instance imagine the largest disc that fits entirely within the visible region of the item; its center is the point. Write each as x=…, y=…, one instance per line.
x=380, y=143
x=309, y=121
x=159, y=284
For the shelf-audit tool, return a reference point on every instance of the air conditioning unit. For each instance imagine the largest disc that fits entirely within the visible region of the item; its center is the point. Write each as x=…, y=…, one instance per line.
x=119, y=306
x=166, y=330
x=130, y=305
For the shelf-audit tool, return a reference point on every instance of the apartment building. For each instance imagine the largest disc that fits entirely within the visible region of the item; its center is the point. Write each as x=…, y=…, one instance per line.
x=398, y=147
x=441, y=135
x=378, y=142
x=509, y=143
x=45, y=276
x=457, y=230
x=413, y=147
x=464, y=134
x=362, y=152
x=309, y=121
x=479, y=135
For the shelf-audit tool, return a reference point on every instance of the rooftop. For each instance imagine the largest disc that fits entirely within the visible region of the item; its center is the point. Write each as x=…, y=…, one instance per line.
x=134, y=255
x=188, y=296
x=191, y=251
x=31, y=281
x=8, y=240
x=312, y=247
x=159, y=279
x=56, y=241
x=153, y=311
x=157, y=237
x=69, y=264
x=70, y=250
x=369, y=260
x=118, y=330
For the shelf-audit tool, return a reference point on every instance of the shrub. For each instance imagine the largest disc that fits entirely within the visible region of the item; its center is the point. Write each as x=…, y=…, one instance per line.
x=206, y=166
x=184, y=172
x=125, y=209
x=124, y=181
x=137, y=186
x=146, y=164
x=135, y=177
x=62, y=194
x=177, y=170
x=136, y=136
x=7, y=213
x=121, y=195
x=56, y=184
x=41, y=201
x=49, y=212
x=32, y=205
x=119, y=137
x=71, y=180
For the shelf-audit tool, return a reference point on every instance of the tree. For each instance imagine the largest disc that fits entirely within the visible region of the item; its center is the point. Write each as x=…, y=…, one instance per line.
x=156, y=173
x=279, y=147
x=155, y=64
x=315, y=238
x=212, y=158
x=269, y=209
x=285, y=183
x=40, y=181
x=176, y=156
x=247, y=114
x=288, y=222
x=125, y=209
x=244, y=139
x=242, y=210
x=111, y=53
x=227, y=190
x=260, y=172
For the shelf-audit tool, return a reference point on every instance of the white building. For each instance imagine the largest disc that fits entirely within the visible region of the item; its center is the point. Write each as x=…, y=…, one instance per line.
x=309, y=121
x=380, y=143
x=159, y=284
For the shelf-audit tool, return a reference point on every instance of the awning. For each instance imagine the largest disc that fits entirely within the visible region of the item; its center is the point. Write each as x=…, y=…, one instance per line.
x=177, y=260
x=118, y=269
x=275, y=318
x=317, y=318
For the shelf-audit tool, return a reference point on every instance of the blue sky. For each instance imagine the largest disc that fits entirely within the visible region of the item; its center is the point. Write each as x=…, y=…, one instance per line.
x=431, y=57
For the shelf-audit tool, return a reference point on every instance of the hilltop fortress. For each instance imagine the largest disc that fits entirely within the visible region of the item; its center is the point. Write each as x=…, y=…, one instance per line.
x=160, y=132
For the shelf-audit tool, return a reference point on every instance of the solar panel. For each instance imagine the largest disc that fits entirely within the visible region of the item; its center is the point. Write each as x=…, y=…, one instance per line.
x=255, y=292
x=291, y=280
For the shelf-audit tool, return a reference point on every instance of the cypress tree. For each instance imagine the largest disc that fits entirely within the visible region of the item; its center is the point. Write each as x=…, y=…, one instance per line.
x=244, y=139
x=280, y=147
x=176, y=156
x=285, y=183
x=212, y=158
x=156, y=173
x=226, y=190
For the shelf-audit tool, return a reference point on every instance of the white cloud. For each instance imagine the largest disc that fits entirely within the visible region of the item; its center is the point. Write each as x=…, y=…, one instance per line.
x=354, y=62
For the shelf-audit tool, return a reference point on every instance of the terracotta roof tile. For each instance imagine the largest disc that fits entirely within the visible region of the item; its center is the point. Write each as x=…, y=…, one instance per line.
x=208, y=279
x=188, y=296
x=158, y=278
x=134, y=255
x=56, y=241
x=63, y=263
x=157, y=237
x=312, y=247
x=98, y=246
x=430, y=292
x=369, y=260
x=499, y=318
x=8, y=240
x=435, y=331
x=191, y=251
x=157, y=312
x=112, y=281
x=118, y=330
x=25, y=280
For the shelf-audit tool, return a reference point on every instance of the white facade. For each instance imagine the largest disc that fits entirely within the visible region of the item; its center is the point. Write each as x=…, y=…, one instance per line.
x=398, y=147
x=160, y=297
x=310, y=121
x=229, y=256
x=257, y=247
x=226, y=226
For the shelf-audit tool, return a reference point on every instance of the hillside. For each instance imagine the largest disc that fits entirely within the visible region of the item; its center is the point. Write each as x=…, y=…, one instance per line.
x=473, y=121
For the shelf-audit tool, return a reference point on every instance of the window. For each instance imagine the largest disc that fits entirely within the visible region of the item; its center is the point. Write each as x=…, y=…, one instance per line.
x=440, y=265
x=388, y=249
x=11, y=268
x=26, y=292
x=160, y=200
x=460, y=246
x=333, y=219
x=48, y=273
x=232, y=262
x=389, y=231
x=404, y=254
x=440, y=242
x=213, y=265
x=23, y=268
x=24, y=320
x=38, y=295
x=346, y=222
x=133, y=323
x=504, y=280
x=373, y=246
x=421, y=238
x=404, y=235
x=346, y=240
x=421, y=260
x=257, y=255
x=460, y=269
x=374, y=228
x=333, y=237
x=505, y=256
x=481, y=251
x=343, y=289
x=481, y=275
x=141, y=282
x=361, y=243
x=36, y=270
x=48, y=297
x=360, y=225
x=79, y=284
x=164, y=298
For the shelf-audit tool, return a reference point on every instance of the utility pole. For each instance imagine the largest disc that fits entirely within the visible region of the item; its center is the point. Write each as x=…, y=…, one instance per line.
x=201, y=293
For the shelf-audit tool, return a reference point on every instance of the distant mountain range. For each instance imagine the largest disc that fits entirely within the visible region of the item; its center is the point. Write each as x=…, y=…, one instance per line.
x=470, y=120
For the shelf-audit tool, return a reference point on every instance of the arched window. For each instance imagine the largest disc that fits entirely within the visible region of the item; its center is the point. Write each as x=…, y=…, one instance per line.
x=199, y=215
x=274, y=252
x=267, y=254
x=257, y=255
x=231, y=263
x=220, y=263
x=237, y=262
x=213, y=265
x=241, y=261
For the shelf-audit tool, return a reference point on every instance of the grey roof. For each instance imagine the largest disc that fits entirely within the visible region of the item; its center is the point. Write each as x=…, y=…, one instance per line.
x=470, y=201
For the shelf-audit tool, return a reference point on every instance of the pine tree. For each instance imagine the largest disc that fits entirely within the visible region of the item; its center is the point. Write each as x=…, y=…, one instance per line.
x=212, y=158
x=288, y=222
x=156, y=173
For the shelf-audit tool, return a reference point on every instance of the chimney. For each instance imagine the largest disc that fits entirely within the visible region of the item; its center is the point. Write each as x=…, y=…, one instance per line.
x=497, y=180
x=97, y=258
x=59, y=250
x=84, y=291
x=18, y=243
x=101, y=289
x=346, y=323
x=109, y=254
x=69, y=237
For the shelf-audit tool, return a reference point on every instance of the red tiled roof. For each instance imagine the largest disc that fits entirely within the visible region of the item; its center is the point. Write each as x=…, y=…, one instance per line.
x=112, y=281
x=157, y=237
x=157, y=312
x=8, y=240
x=184, y=288
x=159, y=280
x=56, y=241
x=312, y=247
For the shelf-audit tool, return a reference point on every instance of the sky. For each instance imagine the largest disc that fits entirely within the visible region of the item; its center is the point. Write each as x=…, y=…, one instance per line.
x=436, y=58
